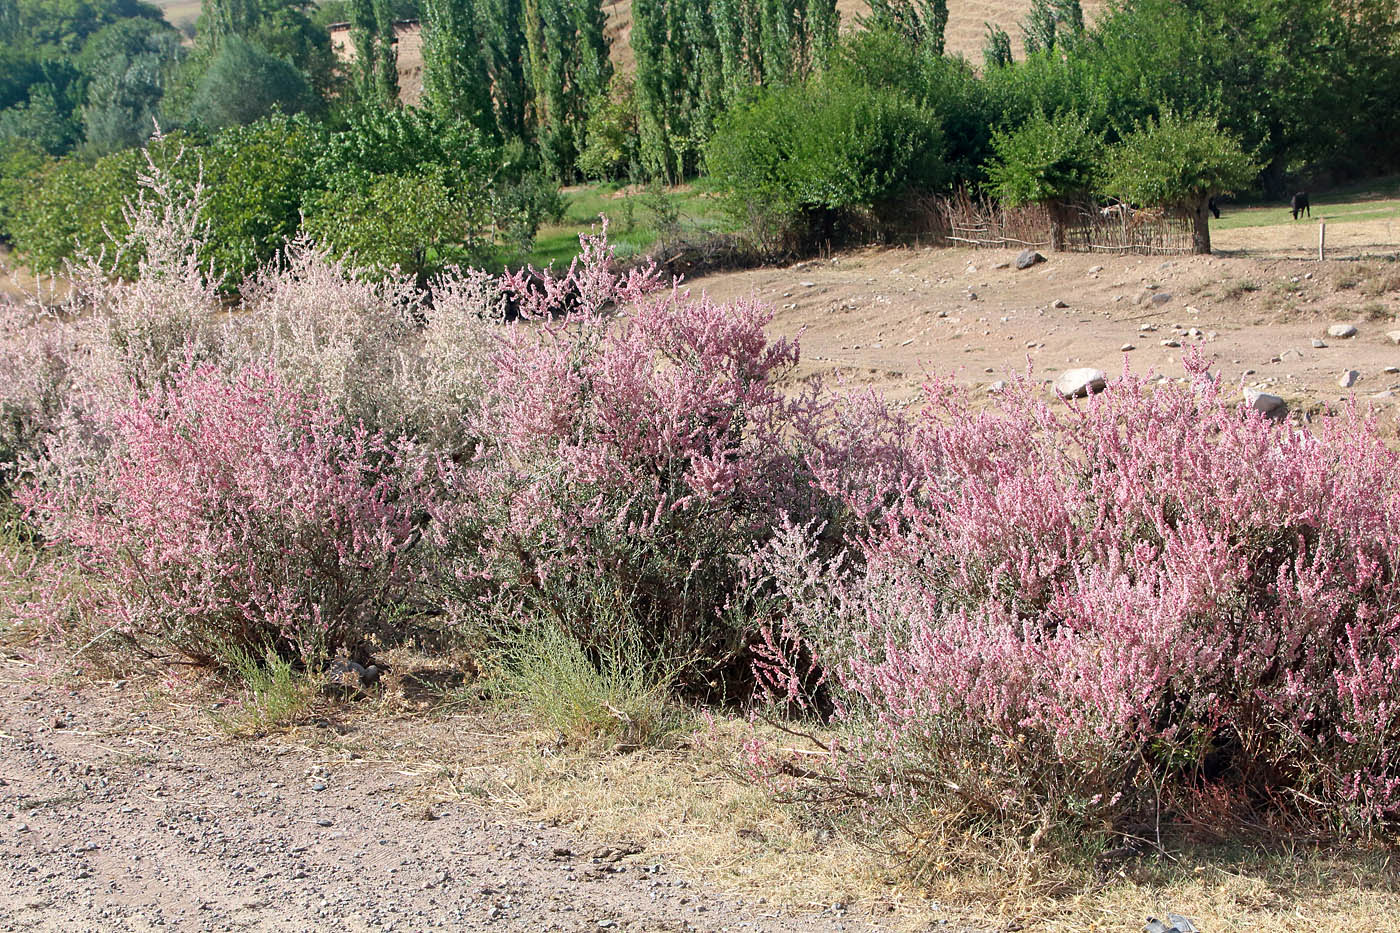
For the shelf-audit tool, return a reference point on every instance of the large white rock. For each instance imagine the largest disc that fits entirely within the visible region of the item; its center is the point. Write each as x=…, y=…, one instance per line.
x=1077, y=383
x=1263, y=402
x=1341, y=330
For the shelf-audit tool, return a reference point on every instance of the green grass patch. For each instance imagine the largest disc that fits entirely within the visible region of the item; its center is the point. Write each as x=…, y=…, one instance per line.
x=638, y=217
x=617, y=696
x=275, y=693
x=1378, y=199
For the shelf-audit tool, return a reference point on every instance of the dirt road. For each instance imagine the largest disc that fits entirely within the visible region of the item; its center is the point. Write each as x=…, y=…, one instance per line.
x=116, y=816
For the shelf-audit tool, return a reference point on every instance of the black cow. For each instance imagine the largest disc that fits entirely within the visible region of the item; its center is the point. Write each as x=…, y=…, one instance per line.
x=1299, y=204
x=1213, y=207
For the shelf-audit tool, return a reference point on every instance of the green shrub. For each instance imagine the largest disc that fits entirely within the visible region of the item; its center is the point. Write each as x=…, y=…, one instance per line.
x=415, y=222
x=245, y=83
x=260, y=178
x=1046, y=161
x=801, y=163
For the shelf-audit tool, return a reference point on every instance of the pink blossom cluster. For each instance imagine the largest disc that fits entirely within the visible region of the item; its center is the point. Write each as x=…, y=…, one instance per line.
x=231, y=510
x=636, y=460
x=1111, y=605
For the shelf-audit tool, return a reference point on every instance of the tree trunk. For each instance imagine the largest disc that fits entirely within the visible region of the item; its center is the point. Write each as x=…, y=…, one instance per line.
x=1057, y=226
x=1200, y=227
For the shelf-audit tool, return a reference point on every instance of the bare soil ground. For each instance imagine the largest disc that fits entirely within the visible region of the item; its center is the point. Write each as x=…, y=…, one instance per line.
x=120, y=813
x=890, y=318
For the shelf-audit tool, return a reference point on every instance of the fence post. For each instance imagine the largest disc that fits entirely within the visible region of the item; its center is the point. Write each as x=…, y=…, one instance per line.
x=1321, y=239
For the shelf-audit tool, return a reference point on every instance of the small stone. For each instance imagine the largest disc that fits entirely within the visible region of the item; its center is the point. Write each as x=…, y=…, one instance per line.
x=1392, y=369
x=1127, y=346
x=1160, y=298
x=1319, y=344
x=324, y=823
x=318, y=786
x=1394, y=336
x=1341, y=331
x=1077, y=383
x=1095, y=270
x=807, y=284
x=1058, y=303
x=998, y=386
x=1263, y=402
x=1192, y=310
x=1171, y=342
x=1027, y=258
x=1348, y=379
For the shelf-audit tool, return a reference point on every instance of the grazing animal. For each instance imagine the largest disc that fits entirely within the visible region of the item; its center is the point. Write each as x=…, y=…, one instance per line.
x=1299, y=204
x=1120, y=211
x=1213, y=207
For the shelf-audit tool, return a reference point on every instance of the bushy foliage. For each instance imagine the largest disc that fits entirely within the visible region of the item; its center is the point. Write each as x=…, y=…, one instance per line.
x=245, y=83
x=233, y=513
x=632, y=461
x=794, y=185
x=1114, y=613
x=1179, y=163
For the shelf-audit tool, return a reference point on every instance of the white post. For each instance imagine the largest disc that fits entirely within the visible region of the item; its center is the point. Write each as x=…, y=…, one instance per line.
x=1321, y=239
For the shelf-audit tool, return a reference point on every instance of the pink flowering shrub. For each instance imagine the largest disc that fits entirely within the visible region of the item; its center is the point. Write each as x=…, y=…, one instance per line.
x=628, y=464
x=1105, y=613
x=234, y=512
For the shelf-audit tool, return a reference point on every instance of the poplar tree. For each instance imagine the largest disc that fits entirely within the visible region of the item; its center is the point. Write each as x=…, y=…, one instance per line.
x=455, y=78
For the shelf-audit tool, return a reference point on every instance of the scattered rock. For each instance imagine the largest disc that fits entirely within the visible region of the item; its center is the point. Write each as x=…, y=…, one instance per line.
x=1264, y=402
x=1319, y=344
x=1058, y=303
x=1127, y=346
x=1002, y=265
x=1171, y=342
x=1348, y=379
x=1027, y=258
x=1342, y=331
x=1394, y=336
x=1192, y=310
x=1077, y=383
x=1160, y=298
x=998, y=386
x=1095, y=270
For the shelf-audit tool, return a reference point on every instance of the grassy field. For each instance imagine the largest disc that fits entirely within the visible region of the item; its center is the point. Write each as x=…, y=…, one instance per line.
x=1378, y=199
x=637, y=218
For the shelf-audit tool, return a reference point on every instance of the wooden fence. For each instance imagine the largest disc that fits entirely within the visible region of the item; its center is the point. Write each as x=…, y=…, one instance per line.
x=962, y=219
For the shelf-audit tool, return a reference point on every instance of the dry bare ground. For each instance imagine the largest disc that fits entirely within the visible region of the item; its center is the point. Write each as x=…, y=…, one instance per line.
x=126, y=807
x=890, y=318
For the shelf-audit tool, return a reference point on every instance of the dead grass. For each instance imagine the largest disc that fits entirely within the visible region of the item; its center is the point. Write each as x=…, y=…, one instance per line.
x=689, y=806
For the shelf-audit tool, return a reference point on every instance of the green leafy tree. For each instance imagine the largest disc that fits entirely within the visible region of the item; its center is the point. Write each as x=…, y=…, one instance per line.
x=921, y=22
x=128, y=65
x=67, y=24
x=502, y=34
x=610, y=148
x=996, y=47
x=1046, y=161
x=455, y=78
x=417, y=223
x=46, y=119
x=245, y=83
x=259, y=177
x=798, y=187
x=21, y=164
x=1178, y=163
x=376, y=55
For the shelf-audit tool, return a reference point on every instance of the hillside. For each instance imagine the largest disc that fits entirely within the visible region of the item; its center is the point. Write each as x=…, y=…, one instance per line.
x=966, y=25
